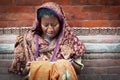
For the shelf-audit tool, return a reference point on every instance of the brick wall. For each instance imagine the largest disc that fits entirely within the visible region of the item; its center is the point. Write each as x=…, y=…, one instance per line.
x=79, y=13
x=102, y=58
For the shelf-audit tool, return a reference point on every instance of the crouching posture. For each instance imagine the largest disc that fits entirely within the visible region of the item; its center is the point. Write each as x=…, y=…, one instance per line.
x=49, y=50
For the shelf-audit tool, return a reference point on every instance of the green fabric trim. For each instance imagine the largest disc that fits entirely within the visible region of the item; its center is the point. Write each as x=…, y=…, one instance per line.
x=66, y=75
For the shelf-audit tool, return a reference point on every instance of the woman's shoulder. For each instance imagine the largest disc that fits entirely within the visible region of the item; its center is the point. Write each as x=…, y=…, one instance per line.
x=29, y=35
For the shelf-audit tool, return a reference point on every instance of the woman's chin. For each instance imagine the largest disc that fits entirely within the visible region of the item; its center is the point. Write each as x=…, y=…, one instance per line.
x=50, y=36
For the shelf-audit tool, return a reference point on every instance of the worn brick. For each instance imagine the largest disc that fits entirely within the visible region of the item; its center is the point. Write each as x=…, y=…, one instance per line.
x=107, y=16
x=92, y=8
x=3, y=24
x=28, y=2
x=93, y=2
x=3, y=9
x=115, y=23
x=27, y=23
x=111, y=9
x=109, y=2
x=17, y=16
x=21, y=9
x=72, y=9
x=78, y=2
x=75, y=23
x=93, y=16
x=14, y=23
x=20, y=23
x=6, y=2
x=95, y=23
x=61, y=2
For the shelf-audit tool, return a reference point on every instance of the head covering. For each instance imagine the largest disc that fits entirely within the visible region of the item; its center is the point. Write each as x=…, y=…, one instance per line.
x=66, y=36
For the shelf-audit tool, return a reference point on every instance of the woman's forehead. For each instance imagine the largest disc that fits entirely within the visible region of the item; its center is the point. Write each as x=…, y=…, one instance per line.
x=45, y=19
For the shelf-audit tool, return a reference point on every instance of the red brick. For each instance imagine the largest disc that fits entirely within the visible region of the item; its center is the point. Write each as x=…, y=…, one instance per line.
x=6, y=2
x=112, y=16
x=72, y=9
x=102, y=16
x=74, y=23
x=17, y=16
x=95, y=23
x=110, y=2
x=23, y=23
x=60, y=2
x=92, y=8
x=3, y=23
x=14, y=23
x=115, y=23
x=78, y=2
x=27, y=23
x=22, y=9
x=111, y=9
x=28, y=2
x=76, y=16
x=3, y=9
x=93, y=2
x=86, y=16
x=107, y=16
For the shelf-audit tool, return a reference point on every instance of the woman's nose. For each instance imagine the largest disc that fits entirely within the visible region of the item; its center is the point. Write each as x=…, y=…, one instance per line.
x=50, y=28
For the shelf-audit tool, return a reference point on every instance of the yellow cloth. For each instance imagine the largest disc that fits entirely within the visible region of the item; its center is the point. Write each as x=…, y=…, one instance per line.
x=44, y=70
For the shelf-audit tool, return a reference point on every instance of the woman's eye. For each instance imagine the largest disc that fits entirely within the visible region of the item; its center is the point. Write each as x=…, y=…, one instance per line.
x=54, y=24
x=46, y=25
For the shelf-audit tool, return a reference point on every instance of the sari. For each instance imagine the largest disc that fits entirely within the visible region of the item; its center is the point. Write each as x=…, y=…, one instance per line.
x=43, y=56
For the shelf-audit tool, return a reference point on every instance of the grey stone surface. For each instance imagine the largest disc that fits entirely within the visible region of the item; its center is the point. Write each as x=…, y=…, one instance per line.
x=103, y=47
x=90, y=47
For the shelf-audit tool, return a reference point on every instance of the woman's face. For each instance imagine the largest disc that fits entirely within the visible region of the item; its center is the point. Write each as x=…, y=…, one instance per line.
x=50, y=26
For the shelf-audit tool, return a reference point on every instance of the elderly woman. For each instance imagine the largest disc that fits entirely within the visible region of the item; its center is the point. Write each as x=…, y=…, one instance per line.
x=49, y=50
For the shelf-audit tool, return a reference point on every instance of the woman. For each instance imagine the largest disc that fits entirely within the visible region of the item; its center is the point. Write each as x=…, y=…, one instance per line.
x=49, y=50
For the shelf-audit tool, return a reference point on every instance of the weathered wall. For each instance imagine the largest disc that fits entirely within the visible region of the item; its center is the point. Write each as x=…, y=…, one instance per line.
x=102, y=59
x=79, y=13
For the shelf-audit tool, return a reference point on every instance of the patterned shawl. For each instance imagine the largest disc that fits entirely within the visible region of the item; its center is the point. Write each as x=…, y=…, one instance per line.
x=67, y=41
x=31, y=46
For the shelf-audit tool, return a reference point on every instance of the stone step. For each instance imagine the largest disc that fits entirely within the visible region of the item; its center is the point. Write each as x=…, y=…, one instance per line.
x=10, y=38
x=101, y=56
x=86, y=56
x=86, y=62
x=100, y=38
x=99, y=77
x=80, y=77
x=90, y=47
x=100, y=69
x=10, y=77
x=86, y=70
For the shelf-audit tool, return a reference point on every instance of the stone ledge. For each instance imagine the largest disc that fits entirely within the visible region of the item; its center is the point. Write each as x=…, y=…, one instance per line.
x=91, y=47
x=77, y=30
x=86, y=56
x=99, y=43
x=10, y=38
